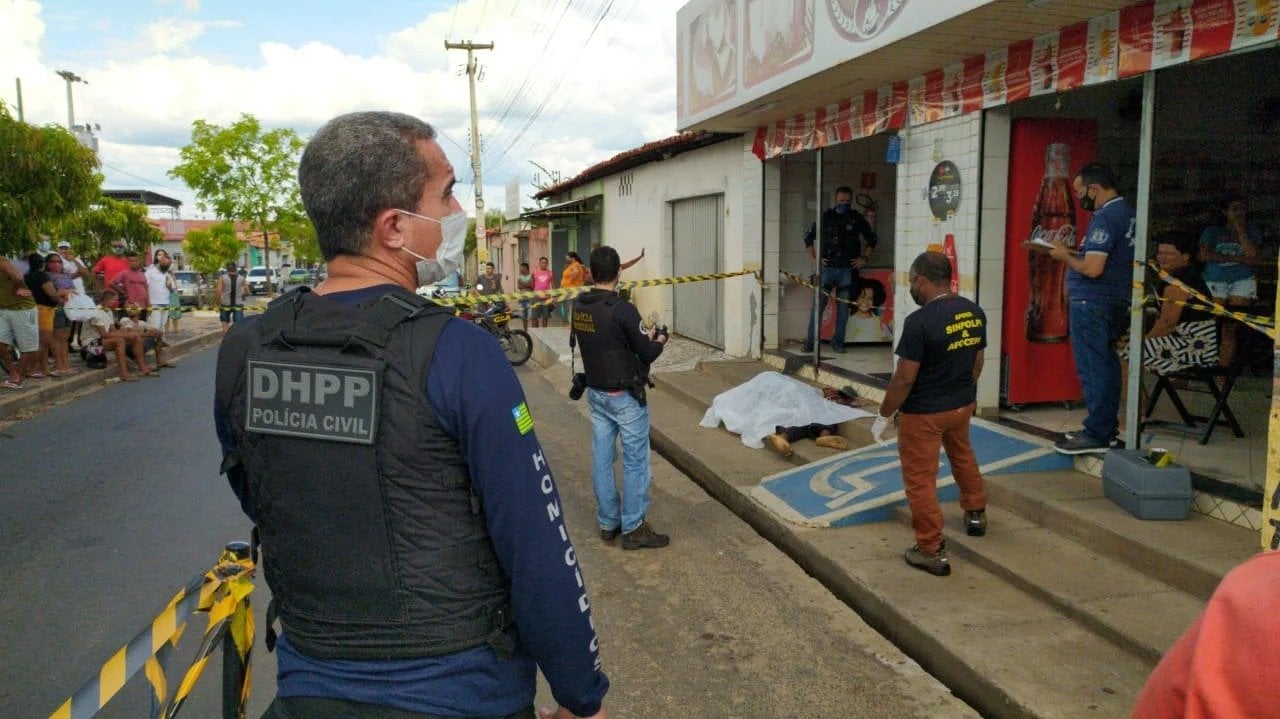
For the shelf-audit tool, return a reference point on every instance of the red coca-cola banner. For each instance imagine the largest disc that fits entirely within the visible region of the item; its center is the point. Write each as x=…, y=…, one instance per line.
x=1128, y=42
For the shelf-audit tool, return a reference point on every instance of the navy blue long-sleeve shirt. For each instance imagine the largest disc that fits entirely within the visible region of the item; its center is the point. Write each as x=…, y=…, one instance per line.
x=478, y=400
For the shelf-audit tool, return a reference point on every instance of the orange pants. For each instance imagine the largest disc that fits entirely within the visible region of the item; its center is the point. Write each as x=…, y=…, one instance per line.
x=920, y=437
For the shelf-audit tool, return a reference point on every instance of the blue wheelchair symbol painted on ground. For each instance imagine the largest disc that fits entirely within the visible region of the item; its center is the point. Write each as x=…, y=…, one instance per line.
x=864, y=485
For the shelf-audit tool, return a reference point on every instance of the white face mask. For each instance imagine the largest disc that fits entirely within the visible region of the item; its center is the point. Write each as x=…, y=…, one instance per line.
x=453, y=233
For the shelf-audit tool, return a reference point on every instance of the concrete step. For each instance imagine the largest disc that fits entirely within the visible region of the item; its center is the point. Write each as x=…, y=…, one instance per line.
x=998, y=647
x=1190, y=555
x=1110, y=598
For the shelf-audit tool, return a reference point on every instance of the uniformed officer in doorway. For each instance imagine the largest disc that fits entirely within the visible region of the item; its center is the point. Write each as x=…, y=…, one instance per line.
x=616, y=354
x=847, y=241
x=411, y=530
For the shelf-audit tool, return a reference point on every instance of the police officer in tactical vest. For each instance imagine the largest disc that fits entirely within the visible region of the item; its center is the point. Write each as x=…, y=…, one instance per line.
x=410, y=525
x=616, y=354
x=847, y=242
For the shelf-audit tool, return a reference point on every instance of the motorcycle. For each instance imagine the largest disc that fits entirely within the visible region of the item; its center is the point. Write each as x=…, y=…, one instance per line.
x=517, y=345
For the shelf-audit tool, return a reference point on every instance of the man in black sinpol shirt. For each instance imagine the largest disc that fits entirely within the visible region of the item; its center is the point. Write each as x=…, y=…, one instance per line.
x=935, y=385
x=847, y=242
x=616, y=354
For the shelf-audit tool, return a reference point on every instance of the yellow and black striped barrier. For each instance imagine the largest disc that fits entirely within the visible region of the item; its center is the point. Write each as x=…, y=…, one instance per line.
x=805, y=283
x=1265, y=325
x=566, y=293
x=546, y=296
x=222, y=593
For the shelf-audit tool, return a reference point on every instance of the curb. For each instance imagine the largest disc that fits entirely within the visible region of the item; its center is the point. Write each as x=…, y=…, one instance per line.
x=980, y=692
x=92, y=378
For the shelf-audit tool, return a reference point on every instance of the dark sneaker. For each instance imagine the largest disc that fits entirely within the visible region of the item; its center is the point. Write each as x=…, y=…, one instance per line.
x=1080, y=444
x=806, y=348
x=643, y=537
x=1116, y=443
x=975, y=523
x=936, y=564
x=608, y=535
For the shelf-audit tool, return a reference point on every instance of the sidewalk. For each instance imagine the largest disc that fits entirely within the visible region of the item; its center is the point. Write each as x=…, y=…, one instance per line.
x=197, y=331
x=1062, y=610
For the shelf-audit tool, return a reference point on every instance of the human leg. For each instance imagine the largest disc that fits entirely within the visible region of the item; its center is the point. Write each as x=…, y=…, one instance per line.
x=61, y=345
x=604, y=434
x=117, y=345
x=1091, y=331
x=633, y=426
x=841, y=279
x=919, y=440
x=964, y=464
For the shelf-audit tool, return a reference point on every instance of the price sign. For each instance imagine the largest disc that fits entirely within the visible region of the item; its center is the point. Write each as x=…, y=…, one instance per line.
x=944, y=190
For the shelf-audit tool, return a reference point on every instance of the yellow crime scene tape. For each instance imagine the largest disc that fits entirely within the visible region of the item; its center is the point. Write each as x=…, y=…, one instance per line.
x=565, y=293
x=222, y=593
x=805, y=283
x=546, y=296
x=1265, y=325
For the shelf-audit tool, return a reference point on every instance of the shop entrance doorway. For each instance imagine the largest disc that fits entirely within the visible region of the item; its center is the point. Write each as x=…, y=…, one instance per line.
x=862, y=166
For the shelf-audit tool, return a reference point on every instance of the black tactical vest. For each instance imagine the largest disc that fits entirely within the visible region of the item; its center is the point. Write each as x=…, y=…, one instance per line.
x=374, y=544
x=607, y=359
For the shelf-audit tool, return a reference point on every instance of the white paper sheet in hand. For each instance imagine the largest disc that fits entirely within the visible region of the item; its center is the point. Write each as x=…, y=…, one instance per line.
x=771, y=399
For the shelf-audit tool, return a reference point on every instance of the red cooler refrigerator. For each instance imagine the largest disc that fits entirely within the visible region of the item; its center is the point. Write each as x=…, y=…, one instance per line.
x=1044, y=154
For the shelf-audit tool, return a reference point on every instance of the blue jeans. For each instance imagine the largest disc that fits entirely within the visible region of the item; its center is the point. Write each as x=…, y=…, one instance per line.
x=1095, y=326
x=614, y=414
x=841, y=279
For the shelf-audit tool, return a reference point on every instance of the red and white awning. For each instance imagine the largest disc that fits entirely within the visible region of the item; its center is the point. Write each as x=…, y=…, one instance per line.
x=1118, y=45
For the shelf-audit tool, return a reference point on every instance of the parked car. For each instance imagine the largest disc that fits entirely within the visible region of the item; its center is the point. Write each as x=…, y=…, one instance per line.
x=298, y=276
x=257, y=279
x=191, y=287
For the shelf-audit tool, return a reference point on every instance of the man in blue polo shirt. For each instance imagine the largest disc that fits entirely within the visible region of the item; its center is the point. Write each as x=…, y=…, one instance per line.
x=1099, y=277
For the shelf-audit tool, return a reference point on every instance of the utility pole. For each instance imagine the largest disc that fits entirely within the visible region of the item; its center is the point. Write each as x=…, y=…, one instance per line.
x=71, y=77
x=482, y=247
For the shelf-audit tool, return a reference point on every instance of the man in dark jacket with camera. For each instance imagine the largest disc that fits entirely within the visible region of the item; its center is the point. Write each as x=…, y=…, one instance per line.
x=616, y=353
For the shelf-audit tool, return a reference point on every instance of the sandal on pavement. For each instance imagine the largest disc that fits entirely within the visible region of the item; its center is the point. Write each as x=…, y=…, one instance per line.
x=36, y=375
x=129, y=379
x=168, y=364
x=10, y=384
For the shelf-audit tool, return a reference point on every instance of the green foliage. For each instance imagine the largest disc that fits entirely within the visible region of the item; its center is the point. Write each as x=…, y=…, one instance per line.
x=242, y=173
x=92, y=230
x=209, y=250
x=298, y=233
x=45, y=175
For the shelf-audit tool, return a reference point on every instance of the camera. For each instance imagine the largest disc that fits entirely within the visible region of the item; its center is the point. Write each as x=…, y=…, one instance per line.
x=579, y=386
x=661, y=332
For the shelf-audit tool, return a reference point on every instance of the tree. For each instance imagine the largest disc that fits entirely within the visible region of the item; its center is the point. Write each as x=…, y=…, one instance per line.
x=211, y=249
x=242, y=173
x=91, y=230
x=298, y=232
x=45, y=174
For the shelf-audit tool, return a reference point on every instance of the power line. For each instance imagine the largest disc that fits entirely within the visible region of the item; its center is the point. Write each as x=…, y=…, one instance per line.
x=547, y=97
x=142, y=179
x=480, y=20
x=454, y=21
x=519, y=93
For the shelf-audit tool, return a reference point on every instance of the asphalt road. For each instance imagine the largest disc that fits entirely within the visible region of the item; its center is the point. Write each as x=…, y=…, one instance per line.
x=112, y=501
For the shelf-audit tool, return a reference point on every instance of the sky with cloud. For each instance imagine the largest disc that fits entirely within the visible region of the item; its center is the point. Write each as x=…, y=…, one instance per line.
x=568, y=83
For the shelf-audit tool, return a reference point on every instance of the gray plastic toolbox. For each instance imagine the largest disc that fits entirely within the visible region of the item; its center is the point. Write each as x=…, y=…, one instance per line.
x=1144, y=490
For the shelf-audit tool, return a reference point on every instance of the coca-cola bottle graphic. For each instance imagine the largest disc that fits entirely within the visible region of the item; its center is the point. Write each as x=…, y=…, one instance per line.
x=1052, y=219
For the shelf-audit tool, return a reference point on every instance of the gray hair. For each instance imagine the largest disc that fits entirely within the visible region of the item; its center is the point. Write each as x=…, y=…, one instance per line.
x=357, y=166
x=934, y=267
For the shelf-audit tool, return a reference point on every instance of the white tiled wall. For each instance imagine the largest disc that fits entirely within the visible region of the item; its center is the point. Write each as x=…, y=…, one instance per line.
x=959, y=140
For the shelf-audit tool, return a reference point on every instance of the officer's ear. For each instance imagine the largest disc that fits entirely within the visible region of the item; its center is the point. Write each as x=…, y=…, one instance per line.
x=388, y=229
